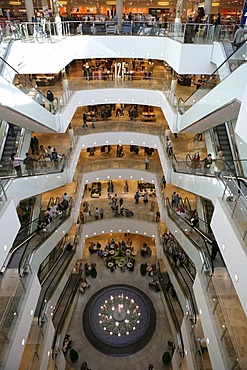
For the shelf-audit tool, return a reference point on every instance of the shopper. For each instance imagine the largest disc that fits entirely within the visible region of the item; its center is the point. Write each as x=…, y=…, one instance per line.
x=29, y=163
x=147, y=161
x=16, y=164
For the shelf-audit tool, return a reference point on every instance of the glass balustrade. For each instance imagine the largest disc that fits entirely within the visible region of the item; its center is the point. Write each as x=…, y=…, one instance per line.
x=41, y=167
x=235, y=60
x=27, y=87
x=46, y=31
x=3, y=197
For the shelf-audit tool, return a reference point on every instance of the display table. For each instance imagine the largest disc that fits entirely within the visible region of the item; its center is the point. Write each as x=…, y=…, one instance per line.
x=148, y=116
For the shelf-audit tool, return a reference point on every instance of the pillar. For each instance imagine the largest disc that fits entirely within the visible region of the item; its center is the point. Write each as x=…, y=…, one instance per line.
x=30, y=9
x=207, y=7
x=119, y=11
x=179, y=9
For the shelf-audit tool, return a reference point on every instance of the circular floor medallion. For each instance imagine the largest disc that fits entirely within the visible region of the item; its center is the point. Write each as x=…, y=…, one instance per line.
x=119, y=320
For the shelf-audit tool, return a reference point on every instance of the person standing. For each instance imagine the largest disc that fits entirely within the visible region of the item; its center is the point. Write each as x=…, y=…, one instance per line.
x=219, y=164
x=84, y=117
x=96, y=214
x=16, y=164
x=207, y=162
x=136, y=197
x=101, y=212
x=169, y=147
x=147, y=161
x=163, y=179
x=50, y=98
x=29, y=163
x=239, y=39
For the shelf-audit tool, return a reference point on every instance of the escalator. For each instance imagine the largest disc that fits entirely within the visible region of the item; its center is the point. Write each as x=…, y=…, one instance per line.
x=208, y=210
x=224, y=144
x=9, y=148
x=228, y=48
x=51, y=282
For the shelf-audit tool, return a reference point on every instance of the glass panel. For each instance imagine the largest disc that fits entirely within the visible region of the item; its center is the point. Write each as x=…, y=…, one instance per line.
x=236, y=59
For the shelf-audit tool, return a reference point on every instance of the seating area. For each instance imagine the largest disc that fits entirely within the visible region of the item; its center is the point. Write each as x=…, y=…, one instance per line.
x=116, y=254
x=96, y=189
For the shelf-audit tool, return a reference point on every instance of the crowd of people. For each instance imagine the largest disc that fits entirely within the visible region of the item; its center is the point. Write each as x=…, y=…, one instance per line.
x=39, y=156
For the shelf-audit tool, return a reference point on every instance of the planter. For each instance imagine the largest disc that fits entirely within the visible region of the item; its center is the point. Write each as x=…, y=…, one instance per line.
x=166, y=358
x=73, y=355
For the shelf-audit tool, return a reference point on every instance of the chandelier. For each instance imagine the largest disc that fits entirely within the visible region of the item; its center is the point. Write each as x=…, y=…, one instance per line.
x=119, y=315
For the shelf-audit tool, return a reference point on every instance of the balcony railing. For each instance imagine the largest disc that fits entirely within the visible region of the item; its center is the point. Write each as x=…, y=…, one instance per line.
x=46, y=31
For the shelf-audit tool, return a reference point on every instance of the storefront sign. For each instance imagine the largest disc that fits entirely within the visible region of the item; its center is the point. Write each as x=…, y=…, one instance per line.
x=244, y=14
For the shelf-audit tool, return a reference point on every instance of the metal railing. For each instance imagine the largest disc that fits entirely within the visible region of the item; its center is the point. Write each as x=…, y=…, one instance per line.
x=46, y=31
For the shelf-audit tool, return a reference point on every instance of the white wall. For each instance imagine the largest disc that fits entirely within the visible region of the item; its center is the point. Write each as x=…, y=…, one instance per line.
x=13, y=98
x=241, y=121
x=52, y=57
x=206, y=187
x=9, y=226
x=208, y=327
x=234, y=254
x=28, y=186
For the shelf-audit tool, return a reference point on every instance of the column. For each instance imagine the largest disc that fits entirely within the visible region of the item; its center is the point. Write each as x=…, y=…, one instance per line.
x=207, y=7
x=58, y=22
x=30, y=9
x=119, y=12
x=179, y=9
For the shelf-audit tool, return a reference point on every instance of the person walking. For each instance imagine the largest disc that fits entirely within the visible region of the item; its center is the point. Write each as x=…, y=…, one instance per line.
x=147, y=161
x=16, y=164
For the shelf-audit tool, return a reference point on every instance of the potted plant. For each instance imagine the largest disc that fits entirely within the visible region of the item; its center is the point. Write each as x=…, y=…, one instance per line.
x=93, y=272
x=143, y=269
x=73, y=355
x=166, y=358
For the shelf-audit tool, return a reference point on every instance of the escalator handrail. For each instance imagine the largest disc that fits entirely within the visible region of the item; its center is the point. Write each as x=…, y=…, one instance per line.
x=26, y=257
x=186, y=200
x=212, y=74
x=23, y=78
x=190, y=298
x=174, y=316
x=169, y=207
x=59, y=327
x=229, y=168
x=45, y=298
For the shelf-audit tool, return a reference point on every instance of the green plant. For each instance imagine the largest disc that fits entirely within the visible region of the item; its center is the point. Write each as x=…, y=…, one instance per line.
x=166, y=358
x=93, y=272
x=73, y=355
x=143, y=269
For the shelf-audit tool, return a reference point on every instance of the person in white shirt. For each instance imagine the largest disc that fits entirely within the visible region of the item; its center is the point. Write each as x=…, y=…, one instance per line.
x=239, y=38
